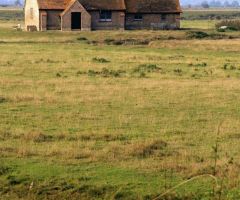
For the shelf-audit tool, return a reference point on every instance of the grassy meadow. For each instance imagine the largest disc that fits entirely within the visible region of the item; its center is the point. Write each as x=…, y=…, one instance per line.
x=119, y=115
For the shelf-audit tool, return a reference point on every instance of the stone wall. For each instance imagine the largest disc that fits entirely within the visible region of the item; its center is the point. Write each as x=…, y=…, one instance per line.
x=85, y=17
x=153, y=21
x=117, y=22
x=31, y=13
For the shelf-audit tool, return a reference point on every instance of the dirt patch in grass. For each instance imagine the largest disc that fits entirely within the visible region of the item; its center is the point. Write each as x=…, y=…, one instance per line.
x=103, y=137
x=147, y=149
x=14, y=180
x=55, y=190
x=39, y=137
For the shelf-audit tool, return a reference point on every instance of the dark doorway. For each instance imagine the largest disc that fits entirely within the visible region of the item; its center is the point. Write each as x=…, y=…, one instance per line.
x=76, y=20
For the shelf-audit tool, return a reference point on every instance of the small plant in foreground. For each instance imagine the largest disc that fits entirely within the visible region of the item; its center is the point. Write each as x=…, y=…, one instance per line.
x=108, y=41
x=142, y=75
x=147, y=68
x=178, y=71
x=3, y=99
x=106, y=73
x=82, y=39
x=4, y=169
x=100, y=60
x=147, y=149
x=80, y=73
x=58, y=75
x=227, y=66
x=204, y=64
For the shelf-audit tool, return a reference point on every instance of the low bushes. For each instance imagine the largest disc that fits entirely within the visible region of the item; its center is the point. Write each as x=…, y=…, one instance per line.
x=128, y=41
x=205, y=35
x=147, y=68
x=106, y=73
x=232, y=25
x=197, y=35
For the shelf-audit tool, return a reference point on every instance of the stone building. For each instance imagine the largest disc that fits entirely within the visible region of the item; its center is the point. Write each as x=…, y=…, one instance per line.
x=67, y=15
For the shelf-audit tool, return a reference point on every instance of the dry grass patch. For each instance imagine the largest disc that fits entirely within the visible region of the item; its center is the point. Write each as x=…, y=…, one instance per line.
x=122, y=130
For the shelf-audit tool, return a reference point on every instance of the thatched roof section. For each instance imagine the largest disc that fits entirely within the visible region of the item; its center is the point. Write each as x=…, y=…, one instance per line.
x=53, y=4
x=153, y=6
x=88, y=4
x=103, y=4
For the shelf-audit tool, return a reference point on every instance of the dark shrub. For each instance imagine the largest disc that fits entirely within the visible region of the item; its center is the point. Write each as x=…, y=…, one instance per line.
x=197, y=35
x=92, y=72
x=106, y=73
x=198, y=65
x=3, y=100
x=82, y=39
x=4, y=170
x=58, y=75
x=109, y=41
x=177, y=71
x=147, y=68
x=100, y=60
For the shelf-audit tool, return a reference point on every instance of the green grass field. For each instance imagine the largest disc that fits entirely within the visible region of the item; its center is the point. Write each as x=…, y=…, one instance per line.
x=119, y=115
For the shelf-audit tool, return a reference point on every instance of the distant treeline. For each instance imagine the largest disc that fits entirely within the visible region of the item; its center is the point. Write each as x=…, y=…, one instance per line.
x=7, y=15
x=217, y=4
x=6, y=3
x=210, y=15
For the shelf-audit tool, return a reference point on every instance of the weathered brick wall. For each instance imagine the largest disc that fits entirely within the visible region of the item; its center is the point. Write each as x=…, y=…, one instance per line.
x=85, y=17
x=153, y=21
x=118, y=21
x=53, y=19
x=31, y=13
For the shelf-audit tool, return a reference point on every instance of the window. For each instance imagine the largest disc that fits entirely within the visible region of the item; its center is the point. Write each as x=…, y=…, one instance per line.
x=105, y=16
x=31, y=13
x=138, y=17
x=163, y=17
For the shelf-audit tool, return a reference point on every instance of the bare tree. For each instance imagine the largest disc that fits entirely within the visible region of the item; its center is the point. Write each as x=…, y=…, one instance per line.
x=17, y=3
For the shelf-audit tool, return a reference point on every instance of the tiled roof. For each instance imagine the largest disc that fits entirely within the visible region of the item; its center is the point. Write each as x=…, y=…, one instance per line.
x=131, y=6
